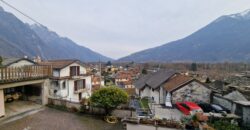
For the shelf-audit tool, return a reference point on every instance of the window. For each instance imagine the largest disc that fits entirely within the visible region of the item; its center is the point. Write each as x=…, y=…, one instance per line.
x=80, y=96
x=79, y=84
x=56, y=73
x=74, y=70
x=63, y=85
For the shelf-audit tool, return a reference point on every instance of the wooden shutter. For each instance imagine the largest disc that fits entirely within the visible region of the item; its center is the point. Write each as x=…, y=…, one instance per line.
x=75, y=85
x=71, y=71
x=83, y=83
x=78, y=70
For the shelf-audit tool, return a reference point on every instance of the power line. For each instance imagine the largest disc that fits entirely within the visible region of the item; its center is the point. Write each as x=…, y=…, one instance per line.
x=27, y=16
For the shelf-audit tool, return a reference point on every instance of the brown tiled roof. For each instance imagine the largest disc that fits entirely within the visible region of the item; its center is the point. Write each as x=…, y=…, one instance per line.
x=95, y=79
x=176, y=81
x=130, y=82
x=58, y=64
x=124, y=75
x=130, y=91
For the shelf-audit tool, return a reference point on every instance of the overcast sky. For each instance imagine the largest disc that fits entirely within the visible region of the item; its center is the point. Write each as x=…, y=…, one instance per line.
x=117, y=28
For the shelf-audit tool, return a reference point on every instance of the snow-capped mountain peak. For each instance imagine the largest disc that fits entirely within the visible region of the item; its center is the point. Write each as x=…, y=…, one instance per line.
x=245, y=15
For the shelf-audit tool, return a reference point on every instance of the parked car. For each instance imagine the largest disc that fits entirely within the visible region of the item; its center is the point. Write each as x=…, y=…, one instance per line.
x=10, y=97
x=206, y=107
x=215, y=108
x=188, y=108
x=220, y=109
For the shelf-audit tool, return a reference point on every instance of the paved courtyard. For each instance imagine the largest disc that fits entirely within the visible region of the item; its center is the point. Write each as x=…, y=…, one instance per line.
x=51, y=119
x=168, y=113
x=17, y=107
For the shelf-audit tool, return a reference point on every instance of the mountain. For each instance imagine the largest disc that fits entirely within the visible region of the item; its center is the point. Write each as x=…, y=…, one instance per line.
x=21, y=39
x=65, y=48
x=225, y=39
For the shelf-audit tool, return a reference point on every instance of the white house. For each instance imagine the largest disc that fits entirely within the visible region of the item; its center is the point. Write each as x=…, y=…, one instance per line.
x=151, y=85
x=70, y=80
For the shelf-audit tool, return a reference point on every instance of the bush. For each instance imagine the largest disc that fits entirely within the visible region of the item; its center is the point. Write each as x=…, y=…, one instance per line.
x=225, y=125
x=109, y=98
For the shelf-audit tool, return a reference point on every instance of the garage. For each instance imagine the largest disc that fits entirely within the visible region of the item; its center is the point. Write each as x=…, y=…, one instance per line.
x=22, y=98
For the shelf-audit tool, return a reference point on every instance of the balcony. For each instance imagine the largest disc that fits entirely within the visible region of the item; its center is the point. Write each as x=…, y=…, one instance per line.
x=15, y=74
x=81, y=90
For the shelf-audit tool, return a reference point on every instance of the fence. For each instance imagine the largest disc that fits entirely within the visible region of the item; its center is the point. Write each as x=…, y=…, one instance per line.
x=10, y=74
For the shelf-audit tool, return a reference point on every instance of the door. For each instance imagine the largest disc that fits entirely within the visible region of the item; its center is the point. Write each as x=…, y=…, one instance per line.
x=80, y=96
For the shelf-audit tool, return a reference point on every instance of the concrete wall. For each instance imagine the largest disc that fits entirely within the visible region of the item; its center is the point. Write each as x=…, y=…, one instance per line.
x=222, y=101
x=242, y=111
x=246, y=116
x=155, y=94
x=146, y=127
x=236, y=108
x=145, y=92
x=149, y=92
x=193, y=91
x=2, y=109
x=45, y=91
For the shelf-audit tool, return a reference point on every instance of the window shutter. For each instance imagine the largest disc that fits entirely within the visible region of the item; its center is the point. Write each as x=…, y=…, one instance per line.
x=84, y=83
x=78, y=70
x=75, y=85
x=71, y=71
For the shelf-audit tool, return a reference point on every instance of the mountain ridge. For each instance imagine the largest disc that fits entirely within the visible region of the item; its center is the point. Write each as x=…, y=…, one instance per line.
x=224, y=39
x=21, y=39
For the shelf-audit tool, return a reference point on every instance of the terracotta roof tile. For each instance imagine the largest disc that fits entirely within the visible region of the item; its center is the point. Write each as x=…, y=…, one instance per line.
x=176, y=82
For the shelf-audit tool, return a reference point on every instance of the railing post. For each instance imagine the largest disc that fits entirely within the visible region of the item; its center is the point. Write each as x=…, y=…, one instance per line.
x=6, y=75
x=1, y=74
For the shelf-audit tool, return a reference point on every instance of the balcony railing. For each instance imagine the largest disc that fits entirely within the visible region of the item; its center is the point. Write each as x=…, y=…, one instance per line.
x=12, y=74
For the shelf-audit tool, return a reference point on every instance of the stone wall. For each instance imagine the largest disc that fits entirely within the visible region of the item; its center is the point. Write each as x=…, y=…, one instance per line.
x=66, y=103
x=193, y=91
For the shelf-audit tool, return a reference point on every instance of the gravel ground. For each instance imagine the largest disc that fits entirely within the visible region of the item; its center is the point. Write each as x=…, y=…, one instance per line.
x=51, y=119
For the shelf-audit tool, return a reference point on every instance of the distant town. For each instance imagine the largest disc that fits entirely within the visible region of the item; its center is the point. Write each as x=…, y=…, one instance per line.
x=160, y=95
x=124, y=65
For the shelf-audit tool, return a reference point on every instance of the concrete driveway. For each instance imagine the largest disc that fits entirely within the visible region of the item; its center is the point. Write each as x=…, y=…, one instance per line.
x=168, y=113
x=17, y=107
x=52, y=119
